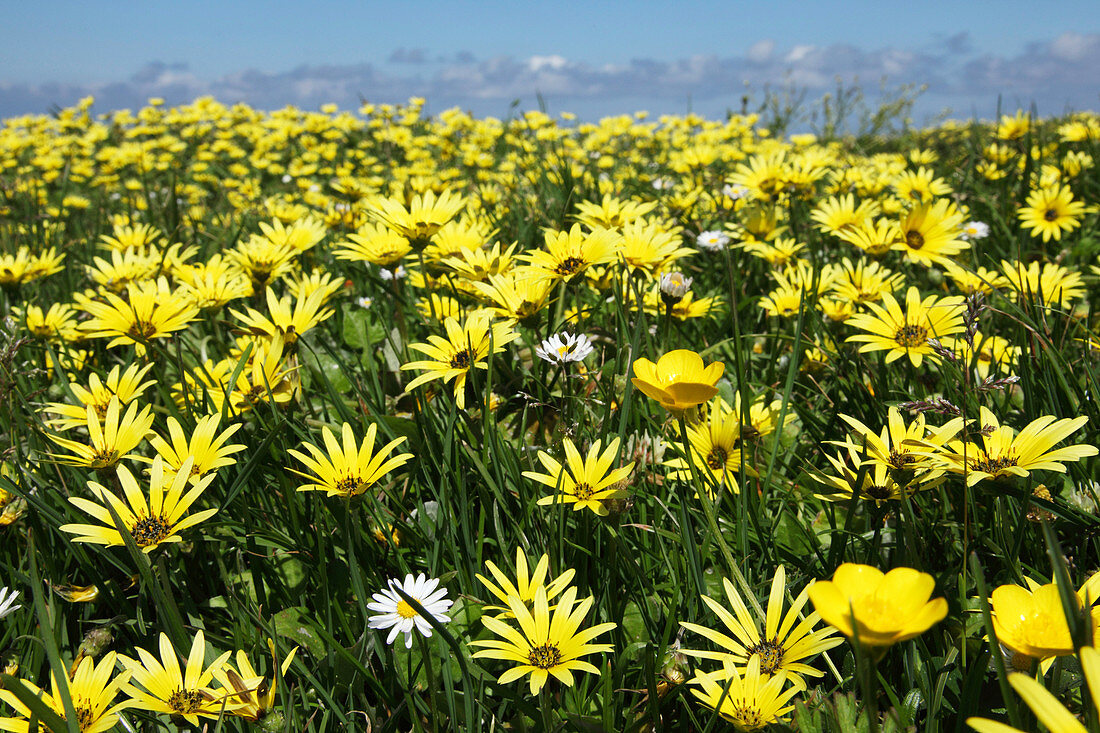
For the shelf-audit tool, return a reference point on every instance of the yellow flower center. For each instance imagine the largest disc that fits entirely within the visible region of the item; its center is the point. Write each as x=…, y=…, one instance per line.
x=546, y=656
x=405, y=610
x=582, y=491
x=911, y=336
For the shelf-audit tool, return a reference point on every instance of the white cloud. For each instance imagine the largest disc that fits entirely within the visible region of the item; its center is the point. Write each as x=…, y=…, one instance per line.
x=1052, y=74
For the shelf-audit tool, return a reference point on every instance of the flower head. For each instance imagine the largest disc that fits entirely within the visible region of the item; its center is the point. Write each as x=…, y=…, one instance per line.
x=399, y=616
x=545, y=644
x=526, y=585
x=166, y=688
x=679, y=380
x=92, y=689
x=466, y=347
x=1003, y=453
x=151, y=523
x=348, y=470
x=562, y=348
x=6, y=601
x=879, y=609
x=784, y=644
x=583, y=482
x=1051, y=713
x=906, y=332
x=751, y=700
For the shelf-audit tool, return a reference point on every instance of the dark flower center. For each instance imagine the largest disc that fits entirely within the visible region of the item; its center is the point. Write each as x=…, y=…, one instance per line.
x=185, y=702
x=1050, y=214
x=569, y=265
x=462, y=359
x=995, y=465
x=771, y=655
x=150, y=530
x=914, y=240
x=911, y=336
x=546, y=656
x=717, y=457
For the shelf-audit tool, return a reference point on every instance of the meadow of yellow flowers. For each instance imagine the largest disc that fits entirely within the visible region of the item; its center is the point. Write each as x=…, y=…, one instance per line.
x=387, y=421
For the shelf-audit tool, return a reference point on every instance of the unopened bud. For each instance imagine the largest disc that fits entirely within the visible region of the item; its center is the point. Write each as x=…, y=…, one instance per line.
x=674, y=287
x=96, y=642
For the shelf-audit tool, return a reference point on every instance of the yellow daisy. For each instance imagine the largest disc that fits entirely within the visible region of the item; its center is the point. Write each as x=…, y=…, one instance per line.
x=1003, y=453
x=906, y=332
x=112, y=440
x=786, y=643
x=751, y=701
x=544, y=644
x=208, y=449
x=526, y=585
x=587, y=482
x=92, y=689
x=467, y=346
x=1050, y=212
x=348, y=470
x=165, y=688
x=151, y=523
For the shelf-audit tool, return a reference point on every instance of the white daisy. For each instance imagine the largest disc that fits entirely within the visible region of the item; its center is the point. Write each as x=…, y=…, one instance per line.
x=675, y=285
x=564, y=347
x=712, y=241
x=974, y=230
x=398, y=615
x=6, y=601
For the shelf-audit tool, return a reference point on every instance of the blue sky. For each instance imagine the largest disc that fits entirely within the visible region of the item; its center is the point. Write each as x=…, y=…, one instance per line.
x=592, y=58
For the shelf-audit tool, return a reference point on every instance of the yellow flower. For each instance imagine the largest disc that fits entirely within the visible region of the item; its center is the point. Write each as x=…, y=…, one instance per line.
x=568, y=254
x=149, y=311
x=786, y=643
x=206, y=447
x=286, y=321
x=92, y=689
x=422, y=218
x=1050, y=212
x=126, y=386
x=165, y=688
x=583, y=482
x=526, y=585
x=544, y=644
x=906, y=332
x=750, y=701
x=1003, y=453
x=374, y=243
x=467, y=346
x=878, y=609
x=252, y=695
x=1032, y=620
x=930, y=233
x=112, y=440
x=348, y=470
x=151, y=523
x=715, y=445
x=678, y=380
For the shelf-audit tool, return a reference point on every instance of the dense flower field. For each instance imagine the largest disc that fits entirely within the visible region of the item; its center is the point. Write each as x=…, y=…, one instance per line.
x=380, y=421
